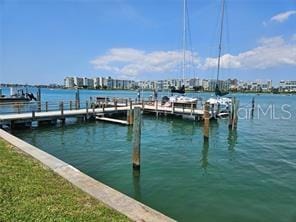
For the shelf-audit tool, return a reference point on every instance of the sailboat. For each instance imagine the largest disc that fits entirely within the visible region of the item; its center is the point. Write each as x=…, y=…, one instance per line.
x=221, y=101
x=182, y=98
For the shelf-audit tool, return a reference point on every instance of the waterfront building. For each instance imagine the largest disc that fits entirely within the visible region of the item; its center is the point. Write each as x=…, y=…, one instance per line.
x=96, y=83
x=78, y=82
x=88, y=83
x=288, y=86
x=69, y=82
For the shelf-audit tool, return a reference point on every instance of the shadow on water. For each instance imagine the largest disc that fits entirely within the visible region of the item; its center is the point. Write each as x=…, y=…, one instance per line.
x=204, y=156
x=137, y=184
x=232, y=141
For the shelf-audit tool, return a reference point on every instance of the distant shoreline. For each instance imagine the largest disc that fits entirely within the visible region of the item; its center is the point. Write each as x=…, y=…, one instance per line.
x=146, y=90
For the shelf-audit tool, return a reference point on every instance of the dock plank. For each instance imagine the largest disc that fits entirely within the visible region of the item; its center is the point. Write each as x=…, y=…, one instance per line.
x=123, y=122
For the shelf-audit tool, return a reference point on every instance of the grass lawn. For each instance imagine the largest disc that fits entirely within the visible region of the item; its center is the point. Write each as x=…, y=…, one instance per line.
x=30, y=192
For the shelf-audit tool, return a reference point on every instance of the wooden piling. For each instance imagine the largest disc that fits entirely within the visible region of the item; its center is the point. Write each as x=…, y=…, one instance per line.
x=233, y=117
x=46, y=106
x=206, y=118
x=70, y=104
x=156, y=107
x=115, y=104
x=173, y=107
x=86, y=107
x=231, y=113
x=18, y=108
x=77, y=98
x=253, y=108
x=39, y=98
x=33, y=114
x=191, y=109
x=62, y=108
x=131, y=104
x=235, y=114
x=137, y=138
x=130, y=114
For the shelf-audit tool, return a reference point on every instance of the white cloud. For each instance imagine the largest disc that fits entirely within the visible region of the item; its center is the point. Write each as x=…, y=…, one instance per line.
x=281, y=17
x=129, y=62
x=271, y=52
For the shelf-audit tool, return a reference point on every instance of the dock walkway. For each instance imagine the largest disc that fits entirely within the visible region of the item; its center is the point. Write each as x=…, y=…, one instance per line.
x=112, y=108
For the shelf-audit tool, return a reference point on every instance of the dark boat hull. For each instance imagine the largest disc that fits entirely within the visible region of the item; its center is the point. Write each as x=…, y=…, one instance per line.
x=4, y=100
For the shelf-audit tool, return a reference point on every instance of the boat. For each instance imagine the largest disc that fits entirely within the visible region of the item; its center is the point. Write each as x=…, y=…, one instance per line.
x=224, y=103
x=181, y=97
x=17, y=96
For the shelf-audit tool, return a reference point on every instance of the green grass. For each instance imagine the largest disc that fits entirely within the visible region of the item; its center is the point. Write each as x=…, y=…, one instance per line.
x=30, y=192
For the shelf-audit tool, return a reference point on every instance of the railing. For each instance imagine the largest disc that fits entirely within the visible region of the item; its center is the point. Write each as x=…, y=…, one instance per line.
x=27, y=107
x=36, y=106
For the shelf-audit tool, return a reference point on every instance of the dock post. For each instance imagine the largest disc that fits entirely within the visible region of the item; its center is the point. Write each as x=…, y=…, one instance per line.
x=70, y=104
x=62, y=108
x=231, y=113
x=130, y=116
x=191, y=111
x=173, y=107
x=33, y=114
x=77, y=98
x=156, y=107
x=46, y=106
x=76, y=104
x=115, y=104
x=103, y=107
x=18, y=108
x=94, y=110
x=131, y=104
x=206, y=118
x=218, y=109
x=235, y=114
x=39, y=98
x=137, y=138
x=126, y=102
x=86, y=108
x=143, y=106
x=253, y=108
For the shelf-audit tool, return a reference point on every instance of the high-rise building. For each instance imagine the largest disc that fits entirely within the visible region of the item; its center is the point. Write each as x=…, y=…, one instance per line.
x=78, y=82
x=69, y=82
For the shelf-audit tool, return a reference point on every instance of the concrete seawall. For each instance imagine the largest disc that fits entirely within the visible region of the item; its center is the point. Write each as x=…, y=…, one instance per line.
x=133, y=209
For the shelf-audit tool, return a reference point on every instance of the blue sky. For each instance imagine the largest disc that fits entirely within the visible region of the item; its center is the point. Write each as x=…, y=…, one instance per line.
x=44, y=41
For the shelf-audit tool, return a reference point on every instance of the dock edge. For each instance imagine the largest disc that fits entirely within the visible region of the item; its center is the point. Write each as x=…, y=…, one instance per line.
x=116, y=200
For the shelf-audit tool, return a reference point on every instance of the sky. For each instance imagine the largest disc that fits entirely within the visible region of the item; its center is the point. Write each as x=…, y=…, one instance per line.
x=43, y=41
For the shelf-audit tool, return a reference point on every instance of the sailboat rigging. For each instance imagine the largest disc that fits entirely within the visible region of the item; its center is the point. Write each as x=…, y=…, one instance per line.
x=218, y=92
x=223, y=102
x=181, y=89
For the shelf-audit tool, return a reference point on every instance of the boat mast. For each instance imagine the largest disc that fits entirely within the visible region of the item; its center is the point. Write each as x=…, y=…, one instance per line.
x=220, y=42
x=184, y=40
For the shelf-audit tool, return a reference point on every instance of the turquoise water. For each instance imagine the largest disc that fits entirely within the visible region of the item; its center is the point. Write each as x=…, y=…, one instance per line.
x=245, y=175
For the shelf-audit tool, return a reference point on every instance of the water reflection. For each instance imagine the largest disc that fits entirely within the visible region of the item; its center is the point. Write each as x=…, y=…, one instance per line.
x=137, y=184
x=204, y=155
x=232, y=141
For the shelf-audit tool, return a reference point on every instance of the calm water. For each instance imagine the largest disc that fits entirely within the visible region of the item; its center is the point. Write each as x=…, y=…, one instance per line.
x=247, y=175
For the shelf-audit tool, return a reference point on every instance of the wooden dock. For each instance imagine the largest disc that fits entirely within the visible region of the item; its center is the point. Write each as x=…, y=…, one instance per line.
x=104, y=111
